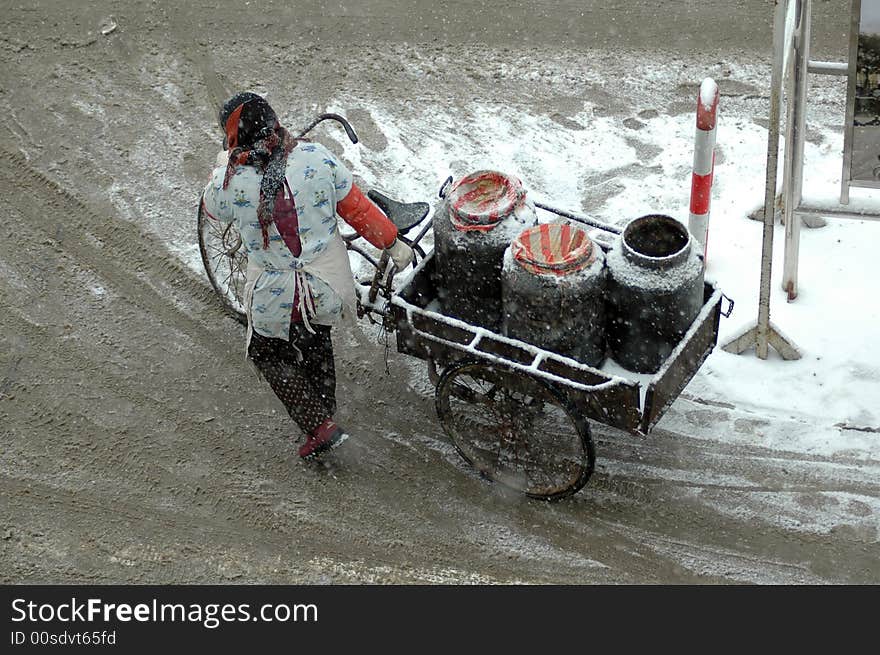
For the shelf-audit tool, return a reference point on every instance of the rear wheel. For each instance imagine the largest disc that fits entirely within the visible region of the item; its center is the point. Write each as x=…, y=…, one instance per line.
x=515, y=429
x=225, y=261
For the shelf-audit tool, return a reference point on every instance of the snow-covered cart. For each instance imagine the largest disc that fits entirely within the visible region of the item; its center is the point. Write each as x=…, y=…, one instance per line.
x=520, y=414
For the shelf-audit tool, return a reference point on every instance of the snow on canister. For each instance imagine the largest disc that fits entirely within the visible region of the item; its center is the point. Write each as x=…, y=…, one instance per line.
x=553, y=292
x=655, y=291
x=479, y=217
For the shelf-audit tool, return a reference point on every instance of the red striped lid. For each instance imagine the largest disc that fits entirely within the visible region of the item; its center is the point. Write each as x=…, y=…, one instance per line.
x=481, y=200
x=555, y=248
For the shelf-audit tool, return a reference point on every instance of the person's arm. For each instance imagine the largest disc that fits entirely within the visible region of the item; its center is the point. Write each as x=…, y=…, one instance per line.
x=366, y=218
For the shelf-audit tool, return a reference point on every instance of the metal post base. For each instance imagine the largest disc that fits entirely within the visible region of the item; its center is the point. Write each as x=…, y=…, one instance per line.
x=761, y=339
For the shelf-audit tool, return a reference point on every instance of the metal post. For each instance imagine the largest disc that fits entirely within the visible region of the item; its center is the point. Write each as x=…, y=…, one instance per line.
x=846, y=174
x=764, y=334
x=704, y=163
x=795, y=137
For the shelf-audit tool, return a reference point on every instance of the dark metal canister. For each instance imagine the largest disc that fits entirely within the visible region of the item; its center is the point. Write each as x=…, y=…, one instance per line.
x=655, y=291
x=480, y=216
x=557, y=307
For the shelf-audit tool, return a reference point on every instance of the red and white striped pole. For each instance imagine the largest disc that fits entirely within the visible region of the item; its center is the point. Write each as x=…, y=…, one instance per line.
x=704, y=163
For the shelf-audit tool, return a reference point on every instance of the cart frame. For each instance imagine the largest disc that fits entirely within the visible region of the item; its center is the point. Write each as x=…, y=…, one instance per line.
x=616, y=401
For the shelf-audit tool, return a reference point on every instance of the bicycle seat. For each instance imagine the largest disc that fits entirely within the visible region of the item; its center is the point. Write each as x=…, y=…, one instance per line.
x=405, y=215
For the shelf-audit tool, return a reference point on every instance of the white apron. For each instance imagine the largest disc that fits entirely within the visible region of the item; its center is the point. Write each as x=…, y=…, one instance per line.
x=332, y=267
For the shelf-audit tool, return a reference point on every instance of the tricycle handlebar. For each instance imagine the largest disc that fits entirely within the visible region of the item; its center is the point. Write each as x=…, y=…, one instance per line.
x=349, y=130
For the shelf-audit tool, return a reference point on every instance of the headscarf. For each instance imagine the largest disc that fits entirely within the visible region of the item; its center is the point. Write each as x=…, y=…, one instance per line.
x=254, y=137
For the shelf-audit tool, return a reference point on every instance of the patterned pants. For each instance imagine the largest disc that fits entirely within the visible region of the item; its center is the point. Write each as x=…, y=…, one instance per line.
x=307, y=385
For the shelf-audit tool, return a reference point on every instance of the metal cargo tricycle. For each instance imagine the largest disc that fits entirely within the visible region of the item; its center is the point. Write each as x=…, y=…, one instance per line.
x=518, y=413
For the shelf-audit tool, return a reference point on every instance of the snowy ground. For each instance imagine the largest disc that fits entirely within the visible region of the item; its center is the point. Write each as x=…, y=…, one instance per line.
x=123, y=383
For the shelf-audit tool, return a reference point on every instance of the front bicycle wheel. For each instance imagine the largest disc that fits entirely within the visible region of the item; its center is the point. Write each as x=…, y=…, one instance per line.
x=225, y=262
x=516, y=429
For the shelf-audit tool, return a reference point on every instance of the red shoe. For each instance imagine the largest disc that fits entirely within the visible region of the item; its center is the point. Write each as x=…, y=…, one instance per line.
x=325, y=437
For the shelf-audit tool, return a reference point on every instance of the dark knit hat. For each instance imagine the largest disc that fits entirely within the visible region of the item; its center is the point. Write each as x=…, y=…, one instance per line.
x=251, y=117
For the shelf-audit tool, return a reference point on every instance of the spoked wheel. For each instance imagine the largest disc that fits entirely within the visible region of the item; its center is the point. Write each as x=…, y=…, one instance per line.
x=515, y=429
x=225, y=261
